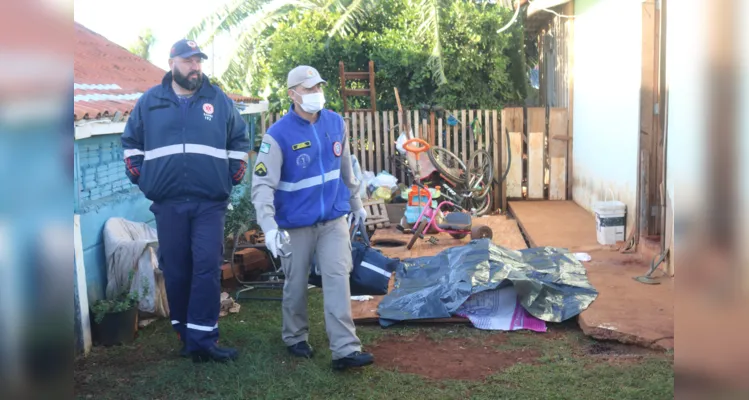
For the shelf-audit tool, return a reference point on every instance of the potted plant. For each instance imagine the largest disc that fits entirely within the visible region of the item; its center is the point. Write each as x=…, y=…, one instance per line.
x=115, y=320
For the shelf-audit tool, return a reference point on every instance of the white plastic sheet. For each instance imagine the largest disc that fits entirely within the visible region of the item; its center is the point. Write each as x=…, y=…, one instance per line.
x=132, y=246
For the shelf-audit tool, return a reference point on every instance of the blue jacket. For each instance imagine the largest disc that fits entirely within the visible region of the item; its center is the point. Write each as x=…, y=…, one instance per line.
x=311, y=189
x=185, y=149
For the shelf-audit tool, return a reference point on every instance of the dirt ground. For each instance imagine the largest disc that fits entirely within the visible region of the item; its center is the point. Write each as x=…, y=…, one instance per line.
x=477, y=357
x=457, y=358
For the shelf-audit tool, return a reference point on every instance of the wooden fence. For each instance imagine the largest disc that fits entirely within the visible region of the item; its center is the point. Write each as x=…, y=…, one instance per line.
x=538, y=140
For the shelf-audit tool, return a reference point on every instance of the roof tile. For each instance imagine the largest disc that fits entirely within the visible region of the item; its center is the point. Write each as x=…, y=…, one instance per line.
x=108, y=78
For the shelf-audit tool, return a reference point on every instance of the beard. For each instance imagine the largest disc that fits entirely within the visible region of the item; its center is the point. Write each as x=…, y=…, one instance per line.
x=190, y=82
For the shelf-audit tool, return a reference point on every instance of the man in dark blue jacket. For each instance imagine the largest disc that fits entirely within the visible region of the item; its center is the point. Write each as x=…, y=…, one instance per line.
x=186, y=147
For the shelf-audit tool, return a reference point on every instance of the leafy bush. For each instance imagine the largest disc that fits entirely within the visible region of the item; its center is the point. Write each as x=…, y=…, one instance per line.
x=482, y=69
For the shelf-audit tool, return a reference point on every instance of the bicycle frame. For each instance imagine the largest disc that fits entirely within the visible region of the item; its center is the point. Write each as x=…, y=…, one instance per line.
x=431, y=214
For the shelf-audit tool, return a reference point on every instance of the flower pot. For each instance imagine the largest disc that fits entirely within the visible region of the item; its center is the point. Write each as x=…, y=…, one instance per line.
x=116, y=328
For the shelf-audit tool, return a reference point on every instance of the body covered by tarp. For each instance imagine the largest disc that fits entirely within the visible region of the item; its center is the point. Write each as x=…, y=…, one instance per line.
x=551, y=284
x=132, y=246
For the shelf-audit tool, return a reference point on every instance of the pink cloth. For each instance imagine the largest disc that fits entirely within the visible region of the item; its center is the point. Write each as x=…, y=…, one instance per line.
x=499, y=310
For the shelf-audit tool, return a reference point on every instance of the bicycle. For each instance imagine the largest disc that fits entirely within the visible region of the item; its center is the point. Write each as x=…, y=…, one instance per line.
x=432, y=219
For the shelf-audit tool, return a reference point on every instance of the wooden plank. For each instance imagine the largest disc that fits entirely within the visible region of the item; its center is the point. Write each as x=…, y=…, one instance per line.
x=497, y=159
x=432, y=139
x=557, y=224
x=357, y=75
x=355, y=139
x=362, y=141
x=463, y=155
x=513, y=122
x=536, y=152
x=356, y=92
x=515, y=175
x=486, y=136
x=401, y=124
x=506, y=233
x=456, y=135
x=378, y=142
x=369, y=147
x=387, y=144
x=471, y=137
x=536, y=165
x=557, y=154
x=439, y=133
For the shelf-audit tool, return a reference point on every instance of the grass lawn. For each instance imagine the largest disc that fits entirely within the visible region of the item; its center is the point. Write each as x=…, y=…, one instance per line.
x=441, y=361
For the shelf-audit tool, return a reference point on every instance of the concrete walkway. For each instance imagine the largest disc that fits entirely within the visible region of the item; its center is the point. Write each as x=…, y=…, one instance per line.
x=625, y=310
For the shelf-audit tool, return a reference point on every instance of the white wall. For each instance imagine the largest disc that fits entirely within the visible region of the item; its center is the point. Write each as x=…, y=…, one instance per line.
x=744, y=131
x=606, y=119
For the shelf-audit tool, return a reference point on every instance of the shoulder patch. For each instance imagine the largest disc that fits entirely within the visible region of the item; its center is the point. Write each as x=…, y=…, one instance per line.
x=261, y=170
x=265, y=147
x=302, y=145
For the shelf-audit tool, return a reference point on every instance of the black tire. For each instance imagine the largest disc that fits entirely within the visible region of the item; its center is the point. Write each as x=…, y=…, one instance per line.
x=474, y=171
x=481, y=232
x=445, y=170
x=458, y=235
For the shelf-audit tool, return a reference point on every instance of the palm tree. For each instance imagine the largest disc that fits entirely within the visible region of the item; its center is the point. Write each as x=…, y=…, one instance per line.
x=142, y=46
x=251, y=18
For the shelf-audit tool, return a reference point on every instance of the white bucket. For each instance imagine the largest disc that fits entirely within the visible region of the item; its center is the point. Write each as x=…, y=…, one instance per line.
x=610, y=220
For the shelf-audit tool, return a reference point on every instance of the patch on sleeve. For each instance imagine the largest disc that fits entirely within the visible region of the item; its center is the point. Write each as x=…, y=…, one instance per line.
x=302, y=145
x=265, y=147
x=261, y=170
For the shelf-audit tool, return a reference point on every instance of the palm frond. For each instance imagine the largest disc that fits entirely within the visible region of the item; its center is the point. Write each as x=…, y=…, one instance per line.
x=224, y=19
x=352, y=15
x=430, y=27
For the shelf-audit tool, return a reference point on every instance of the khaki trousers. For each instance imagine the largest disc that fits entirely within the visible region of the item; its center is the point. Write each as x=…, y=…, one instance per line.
x=331, y=241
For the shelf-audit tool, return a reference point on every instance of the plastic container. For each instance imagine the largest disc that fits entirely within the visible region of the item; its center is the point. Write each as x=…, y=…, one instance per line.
x=610, y=220
x=417, y=200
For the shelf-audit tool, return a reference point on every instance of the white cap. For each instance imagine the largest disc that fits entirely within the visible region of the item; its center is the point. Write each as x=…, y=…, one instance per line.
x=304, y=75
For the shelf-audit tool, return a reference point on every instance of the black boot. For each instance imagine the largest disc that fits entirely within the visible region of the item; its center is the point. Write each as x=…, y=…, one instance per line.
x=301, y=349
x=353, y=360
x=183, y=351
x=215, y=353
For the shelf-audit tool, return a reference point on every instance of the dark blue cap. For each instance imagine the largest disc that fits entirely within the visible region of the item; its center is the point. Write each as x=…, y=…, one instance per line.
x=186, y=48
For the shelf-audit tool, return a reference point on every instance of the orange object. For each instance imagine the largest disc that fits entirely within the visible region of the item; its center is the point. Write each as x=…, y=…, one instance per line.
x=417, y=193
x=416, y=150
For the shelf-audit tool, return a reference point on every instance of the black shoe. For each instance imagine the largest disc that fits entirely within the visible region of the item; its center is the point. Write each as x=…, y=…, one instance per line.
x=217, y=354
x=301, y=349
x=353, y=360
x=183, y=351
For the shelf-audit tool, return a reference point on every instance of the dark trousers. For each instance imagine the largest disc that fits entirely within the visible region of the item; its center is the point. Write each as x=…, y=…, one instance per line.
x=191, y=240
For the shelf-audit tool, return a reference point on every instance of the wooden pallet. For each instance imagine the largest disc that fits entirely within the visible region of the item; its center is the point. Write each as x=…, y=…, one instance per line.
x=377, y=214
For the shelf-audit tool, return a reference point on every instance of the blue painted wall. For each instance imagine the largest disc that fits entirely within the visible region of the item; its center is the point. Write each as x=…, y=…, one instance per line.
x=103, y=191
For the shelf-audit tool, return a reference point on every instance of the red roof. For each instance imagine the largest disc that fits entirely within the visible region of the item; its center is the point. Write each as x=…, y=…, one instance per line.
x=108, y=78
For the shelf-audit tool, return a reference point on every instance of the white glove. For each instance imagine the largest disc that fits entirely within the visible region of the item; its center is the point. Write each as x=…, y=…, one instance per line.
x=273, y=242
x=357, y=216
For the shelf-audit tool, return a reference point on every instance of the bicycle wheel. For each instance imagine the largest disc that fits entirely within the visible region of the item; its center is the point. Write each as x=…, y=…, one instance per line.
x=448, y=164
x=478, y=205
x=480, y=173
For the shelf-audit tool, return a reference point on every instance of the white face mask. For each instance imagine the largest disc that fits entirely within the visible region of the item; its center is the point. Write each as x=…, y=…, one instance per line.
x=312, y=102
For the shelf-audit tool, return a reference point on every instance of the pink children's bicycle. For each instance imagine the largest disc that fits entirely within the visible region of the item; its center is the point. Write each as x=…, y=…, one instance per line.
x=433, y=220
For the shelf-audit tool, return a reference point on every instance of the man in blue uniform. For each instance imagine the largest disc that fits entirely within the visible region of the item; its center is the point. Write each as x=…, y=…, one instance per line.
x=303, y=183
x=186, y=147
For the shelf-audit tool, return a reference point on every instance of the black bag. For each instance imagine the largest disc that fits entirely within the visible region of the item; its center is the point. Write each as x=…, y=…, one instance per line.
x=372, y=269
